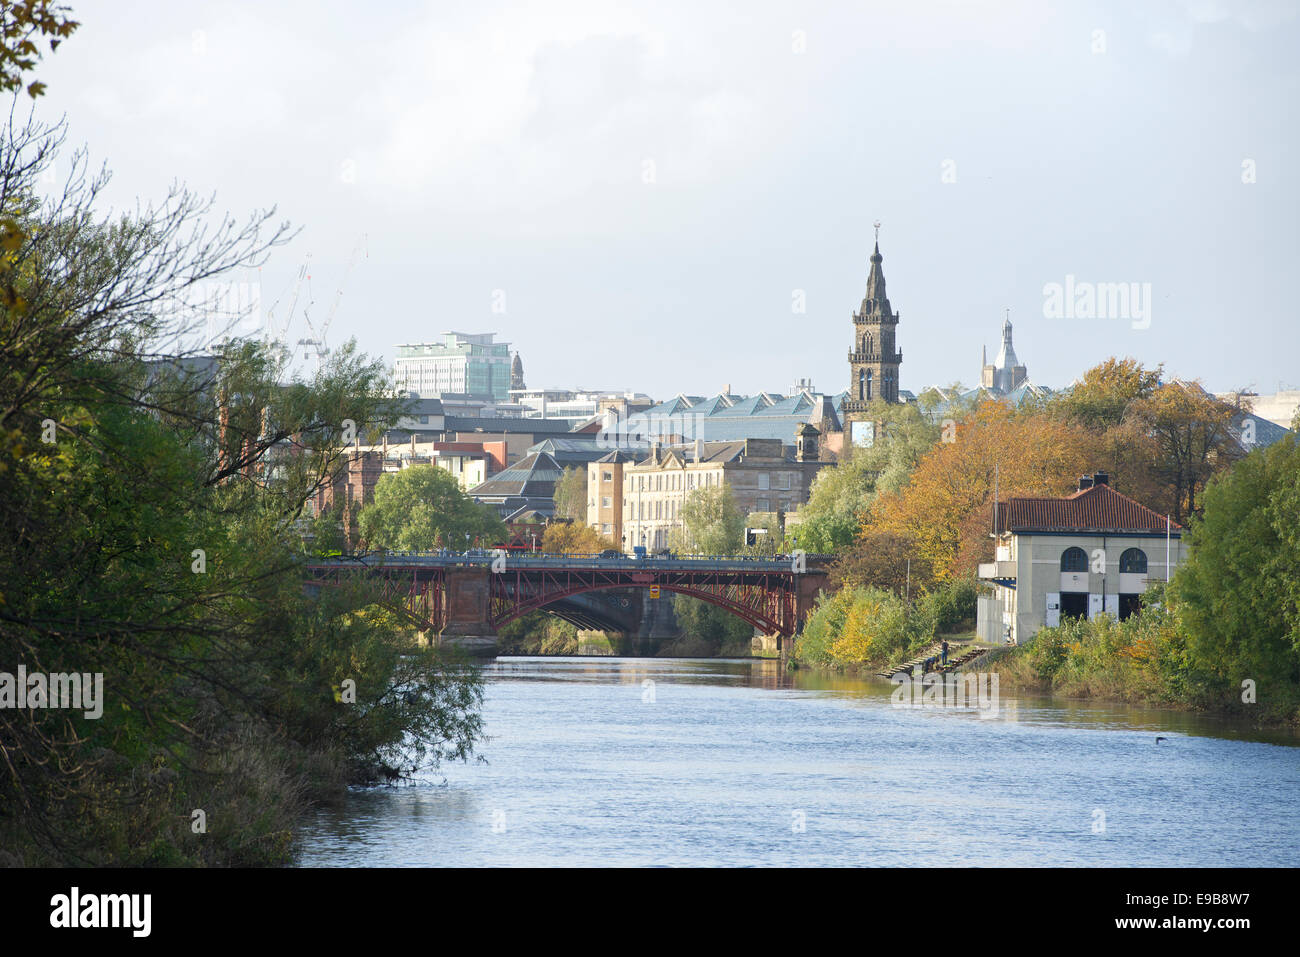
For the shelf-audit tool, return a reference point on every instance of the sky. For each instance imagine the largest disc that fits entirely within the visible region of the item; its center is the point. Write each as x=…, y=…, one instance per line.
x=676, y=196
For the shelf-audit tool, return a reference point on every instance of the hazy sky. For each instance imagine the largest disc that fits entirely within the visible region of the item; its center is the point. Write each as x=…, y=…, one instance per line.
x=490, y=146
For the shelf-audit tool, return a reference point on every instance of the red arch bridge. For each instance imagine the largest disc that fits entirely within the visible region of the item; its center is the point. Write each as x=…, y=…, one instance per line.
x=466, y=598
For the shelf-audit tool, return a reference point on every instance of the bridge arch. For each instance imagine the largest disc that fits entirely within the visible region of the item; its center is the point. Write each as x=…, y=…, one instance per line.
x=507, y=611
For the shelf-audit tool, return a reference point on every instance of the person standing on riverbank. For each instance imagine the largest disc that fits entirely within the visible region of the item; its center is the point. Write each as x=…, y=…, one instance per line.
x=943, y=650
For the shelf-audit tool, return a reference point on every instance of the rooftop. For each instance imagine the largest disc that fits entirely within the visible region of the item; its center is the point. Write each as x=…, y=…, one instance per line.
x=1096, y=510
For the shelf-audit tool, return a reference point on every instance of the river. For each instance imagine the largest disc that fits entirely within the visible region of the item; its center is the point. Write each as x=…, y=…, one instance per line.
x=621, y=761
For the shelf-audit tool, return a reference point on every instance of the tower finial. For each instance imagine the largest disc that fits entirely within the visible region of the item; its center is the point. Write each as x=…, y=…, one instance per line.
x=877, y=225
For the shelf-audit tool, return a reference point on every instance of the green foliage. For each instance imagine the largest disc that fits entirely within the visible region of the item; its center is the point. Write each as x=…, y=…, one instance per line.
x=842, y=493
x=156, y=541
x=862, y=627
x=1142, y=658
x=1239, y=589
x=952, y=605
x=1102, y=398
x=422, y=508
x=539, y=633
x=571, y=495
x=712, y=523
x=714, y=626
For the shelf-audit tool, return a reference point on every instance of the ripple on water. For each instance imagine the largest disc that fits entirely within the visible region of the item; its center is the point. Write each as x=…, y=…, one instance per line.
x=739, y=763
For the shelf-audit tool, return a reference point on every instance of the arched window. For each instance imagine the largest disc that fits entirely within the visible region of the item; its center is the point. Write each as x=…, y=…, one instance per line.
x=1133, y=562
x=869, y=377
x=1074, y=560
x=862, y=384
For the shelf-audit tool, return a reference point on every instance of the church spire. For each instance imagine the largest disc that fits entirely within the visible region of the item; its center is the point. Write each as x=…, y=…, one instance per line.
x=874, y=360
x=875, y=300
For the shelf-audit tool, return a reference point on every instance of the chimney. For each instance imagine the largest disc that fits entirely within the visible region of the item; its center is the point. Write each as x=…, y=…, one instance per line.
x=1101, y=478
x=699, y=449
x=1085, y=482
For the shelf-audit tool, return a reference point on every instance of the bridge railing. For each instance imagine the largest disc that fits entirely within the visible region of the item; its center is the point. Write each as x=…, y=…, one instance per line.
x=584, y=560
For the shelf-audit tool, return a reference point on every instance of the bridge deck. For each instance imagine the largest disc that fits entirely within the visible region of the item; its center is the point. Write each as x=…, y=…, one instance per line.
x=585, y=562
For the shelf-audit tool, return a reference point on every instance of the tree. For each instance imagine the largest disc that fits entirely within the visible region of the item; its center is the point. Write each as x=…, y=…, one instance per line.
x=714, y=625
x=712, y=522
x=1101, y=399
x=572, y=538
x=422, y=508
x=861, y=626
x=1191, y=430
x=1238, y=591
x=841, y=494
x=149, y=534
x=22, y=23
x=882, y=559
x=945, y=510
x=571, y=495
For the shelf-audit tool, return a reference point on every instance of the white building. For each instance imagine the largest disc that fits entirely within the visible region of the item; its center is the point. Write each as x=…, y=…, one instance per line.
x=1005, y=374
x=463, y=363
x=1090, y=553
x=1278, y=407
x=575, y=406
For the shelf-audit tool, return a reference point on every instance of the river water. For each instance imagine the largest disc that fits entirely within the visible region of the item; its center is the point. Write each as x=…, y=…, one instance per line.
x=609, y=761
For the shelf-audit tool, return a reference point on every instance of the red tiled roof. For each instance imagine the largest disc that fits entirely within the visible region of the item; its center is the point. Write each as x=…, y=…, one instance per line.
x=1096, y=509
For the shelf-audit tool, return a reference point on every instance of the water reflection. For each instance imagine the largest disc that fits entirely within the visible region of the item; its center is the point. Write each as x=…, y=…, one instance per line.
x=769, y=674
x=606, y=761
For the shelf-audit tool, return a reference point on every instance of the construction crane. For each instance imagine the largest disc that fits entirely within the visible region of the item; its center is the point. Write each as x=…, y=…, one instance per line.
x=314, y=341
x=278, y=334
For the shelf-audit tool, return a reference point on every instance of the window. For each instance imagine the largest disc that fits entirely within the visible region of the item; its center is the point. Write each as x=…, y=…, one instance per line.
x=763, y=481
x=1133, y=562
x=1074, y=560
x=604, y=502
x=607, y=476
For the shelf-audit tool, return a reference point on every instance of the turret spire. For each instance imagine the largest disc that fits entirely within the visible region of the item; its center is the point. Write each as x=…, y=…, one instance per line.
x=876, y=281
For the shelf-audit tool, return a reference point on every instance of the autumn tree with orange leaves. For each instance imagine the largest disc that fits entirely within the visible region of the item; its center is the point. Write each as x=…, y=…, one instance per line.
x=946, y=508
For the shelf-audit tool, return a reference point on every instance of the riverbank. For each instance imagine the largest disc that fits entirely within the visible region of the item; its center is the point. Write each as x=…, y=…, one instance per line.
x=1021, y=670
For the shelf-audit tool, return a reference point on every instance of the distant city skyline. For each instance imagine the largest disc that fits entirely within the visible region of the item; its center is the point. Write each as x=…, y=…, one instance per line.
x=648, y=195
